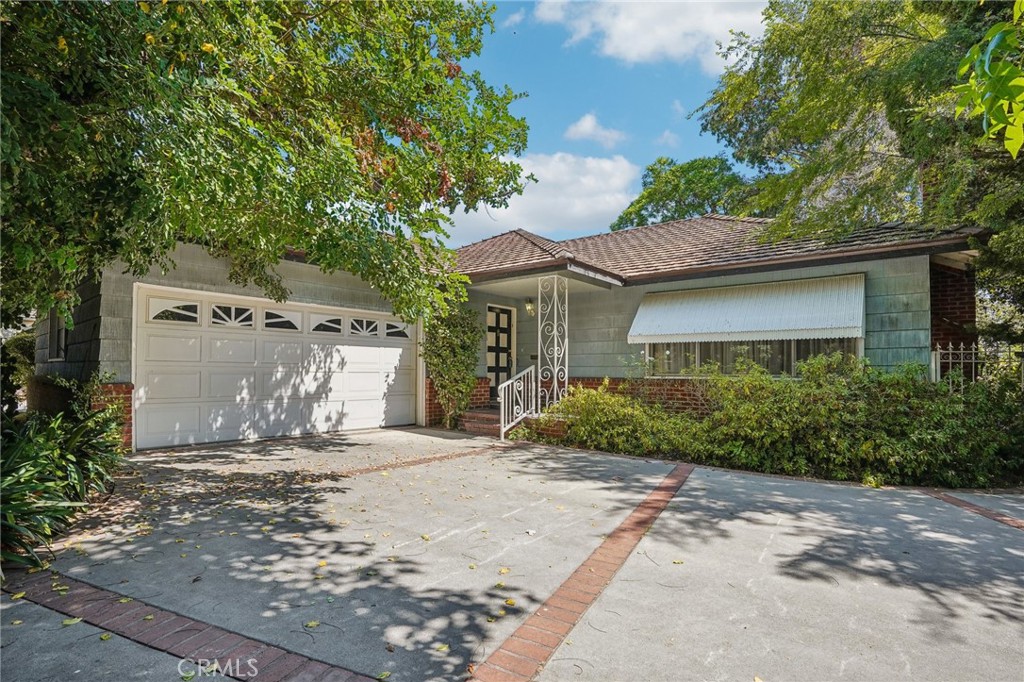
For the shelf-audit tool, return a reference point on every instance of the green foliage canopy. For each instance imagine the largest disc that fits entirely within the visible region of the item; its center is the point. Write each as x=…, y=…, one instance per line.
x=347, y=131
x=995, y=87
x=673, y=191
x=851, y=105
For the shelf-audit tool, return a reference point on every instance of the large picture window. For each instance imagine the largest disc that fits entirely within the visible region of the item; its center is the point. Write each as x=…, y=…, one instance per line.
x=778, y=357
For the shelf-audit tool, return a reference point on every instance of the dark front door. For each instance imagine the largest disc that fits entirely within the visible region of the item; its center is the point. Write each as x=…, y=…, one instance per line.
x=499, y=347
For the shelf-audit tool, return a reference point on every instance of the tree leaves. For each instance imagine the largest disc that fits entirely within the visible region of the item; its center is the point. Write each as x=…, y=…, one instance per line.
x=347, y=131
x=673, y=191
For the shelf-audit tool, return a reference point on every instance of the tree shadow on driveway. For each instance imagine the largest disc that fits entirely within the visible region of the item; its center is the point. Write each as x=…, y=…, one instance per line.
x=962, y=563
x=297, y=558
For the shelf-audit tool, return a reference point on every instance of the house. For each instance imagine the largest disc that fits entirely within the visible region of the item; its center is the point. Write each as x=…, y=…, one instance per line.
x=193, y=358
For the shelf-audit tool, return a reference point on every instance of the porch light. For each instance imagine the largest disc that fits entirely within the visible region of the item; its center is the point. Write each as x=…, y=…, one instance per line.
x=531, y=307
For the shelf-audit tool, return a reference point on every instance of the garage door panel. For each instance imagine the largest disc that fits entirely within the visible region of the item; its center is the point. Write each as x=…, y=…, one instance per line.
x=229, y=421
x=328, y=386
x=367, y=383
x=172, y=423
x=363, y=413
x=173, y=385
x=400, y=381
x=200, y=382
x=393, y=358
x=165, y=348
x=362, y=356
x=239, y=386
x=280, y=418
x=327, y=415
x=281, y=385
x=399, y=409
x=232, y=350
x=324, y=356
x=281, y=352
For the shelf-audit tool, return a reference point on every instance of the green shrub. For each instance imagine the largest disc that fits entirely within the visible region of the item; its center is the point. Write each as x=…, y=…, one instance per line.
x=840, y=420
x=450, y=352
x=51, y=466
x=601, y=419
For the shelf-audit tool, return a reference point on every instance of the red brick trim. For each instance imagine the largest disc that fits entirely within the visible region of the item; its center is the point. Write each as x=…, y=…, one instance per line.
x=1011, y=521
x=427, y=460
x=523, y=654
x=119, y=396
x=170, y=632
x=480, y=397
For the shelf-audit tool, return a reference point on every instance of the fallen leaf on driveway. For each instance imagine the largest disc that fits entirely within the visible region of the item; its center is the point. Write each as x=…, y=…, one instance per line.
x=442, y=647
x=70, y=621
x=105, y=636
x=124, y=600
x=17, y=622
x=18, y=596
x=510, y=602
x=312, y=624
x=504, y=570
x=384, y=675
x=321, y=564
x=677, y=561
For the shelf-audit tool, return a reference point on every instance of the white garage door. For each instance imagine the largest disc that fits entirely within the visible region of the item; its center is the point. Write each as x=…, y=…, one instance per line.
x=212, y=368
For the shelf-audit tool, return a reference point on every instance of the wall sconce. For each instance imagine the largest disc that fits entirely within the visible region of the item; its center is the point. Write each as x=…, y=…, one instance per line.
x=531, y=307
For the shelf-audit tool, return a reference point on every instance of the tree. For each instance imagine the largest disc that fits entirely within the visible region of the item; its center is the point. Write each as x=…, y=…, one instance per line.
x=995, y=88
x=851, y=105
x=347, y=131
x=673, y=191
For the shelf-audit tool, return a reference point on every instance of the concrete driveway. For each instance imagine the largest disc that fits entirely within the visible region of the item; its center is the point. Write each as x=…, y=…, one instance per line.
x=419, y=555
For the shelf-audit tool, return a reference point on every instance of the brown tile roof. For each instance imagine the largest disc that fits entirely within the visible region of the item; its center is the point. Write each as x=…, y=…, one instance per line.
x=691, y=247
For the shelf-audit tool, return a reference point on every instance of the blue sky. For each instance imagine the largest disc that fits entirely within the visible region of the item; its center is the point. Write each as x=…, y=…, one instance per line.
x=610, y=86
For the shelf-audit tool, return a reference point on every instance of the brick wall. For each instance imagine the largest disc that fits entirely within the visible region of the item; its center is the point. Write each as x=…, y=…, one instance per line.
x=953, y=306
x=481, y=397
x=119, y=395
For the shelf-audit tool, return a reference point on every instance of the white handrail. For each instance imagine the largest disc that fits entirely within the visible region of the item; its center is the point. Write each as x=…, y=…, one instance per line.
x=517, y=399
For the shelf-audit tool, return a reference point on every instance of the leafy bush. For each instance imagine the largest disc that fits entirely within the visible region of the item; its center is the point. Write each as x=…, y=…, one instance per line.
x=840, y=419
x=450, y=351
x=17, y=360
x=51, y=466
x=602, y=419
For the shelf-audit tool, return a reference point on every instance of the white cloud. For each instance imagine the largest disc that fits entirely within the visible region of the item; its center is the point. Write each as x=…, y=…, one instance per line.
x=668, y=139
x=573, y=196
x=514, y=19
x=588, y=128
x=655, y=31
x=678, y=110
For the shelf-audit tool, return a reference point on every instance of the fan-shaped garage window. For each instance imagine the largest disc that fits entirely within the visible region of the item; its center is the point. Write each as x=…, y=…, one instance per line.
x=325, y=323
x=168, y=310
x=396, y=331
x=288, y=320
x=232, y=316
x=359, y=327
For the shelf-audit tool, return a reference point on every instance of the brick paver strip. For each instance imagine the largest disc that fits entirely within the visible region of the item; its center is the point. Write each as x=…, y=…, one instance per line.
x=1011, y=521
x=170, y=632
x=524, y=653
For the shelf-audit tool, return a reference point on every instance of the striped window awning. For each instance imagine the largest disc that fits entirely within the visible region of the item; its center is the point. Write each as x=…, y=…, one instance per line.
x=823, y=308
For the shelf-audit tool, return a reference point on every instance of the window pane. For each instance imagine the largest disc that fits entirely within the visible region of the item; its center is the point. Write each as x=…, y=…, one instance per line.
x=806, y=348
x=778, y=357
x=672, y=358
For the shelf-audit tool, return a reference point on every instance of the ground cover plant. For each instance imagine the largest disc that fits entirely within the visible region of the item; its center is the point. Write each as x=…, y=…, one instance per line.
x=837, y=419
x=52, y=467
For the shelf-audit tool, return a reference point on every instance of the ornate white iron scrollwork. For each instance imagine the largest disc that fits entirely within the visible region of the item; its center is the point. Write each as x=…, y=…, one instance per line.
x=552, y=338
